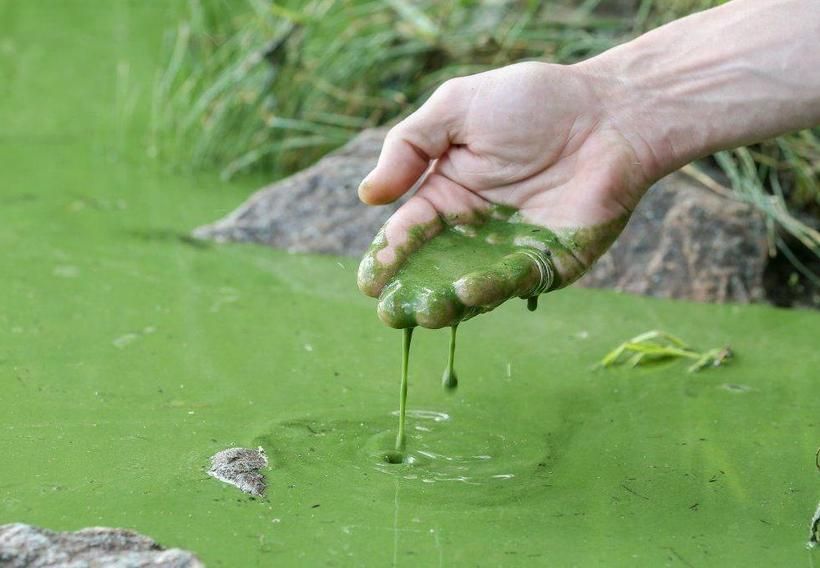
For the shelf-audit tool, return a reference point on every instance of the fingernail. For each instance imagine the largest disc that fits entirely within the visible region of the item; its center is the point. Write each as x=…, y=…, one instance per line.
x=364, y=188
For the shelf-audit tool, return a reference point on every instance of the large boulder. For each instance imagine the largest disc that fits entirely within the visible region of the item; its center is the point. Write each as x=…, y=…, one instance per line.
x=315, y=210
x=683, y=241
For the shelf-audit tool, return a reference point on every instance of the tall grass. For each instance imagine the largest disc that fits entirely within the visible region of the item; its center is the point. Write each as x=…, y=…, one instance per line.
x=275, y=85
x=271, y=86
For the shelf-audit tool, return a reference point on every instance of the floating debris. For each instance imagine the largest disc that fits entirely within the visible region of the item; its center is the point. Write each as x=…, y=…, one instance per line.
x=127, y=339
x=731, y=387
x=654, y=346
x=27, y=546
x=66, y=271
x=241, y=467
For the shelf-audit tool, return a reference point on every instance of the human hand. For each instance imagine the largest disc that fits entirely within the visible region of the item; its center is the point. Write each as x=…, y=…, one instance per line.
x=530, y=146
x=572, y=149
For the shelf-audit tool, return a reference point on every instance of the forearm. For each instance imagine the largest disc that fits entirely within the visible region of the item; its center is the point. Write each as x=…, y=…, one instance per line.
x=729, y=76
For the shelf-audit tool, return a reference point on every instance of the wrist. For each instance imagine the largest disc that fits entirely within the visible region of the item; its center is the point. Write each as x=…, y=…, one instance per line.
x=732, y=75
x=635, y=112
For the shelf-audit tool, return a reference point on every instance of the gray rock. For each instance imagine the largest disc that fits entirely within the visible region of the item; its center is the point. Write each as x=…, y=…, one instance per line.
x=682, y=242
x=25, y=546
x=241, y=467
x=315, y=210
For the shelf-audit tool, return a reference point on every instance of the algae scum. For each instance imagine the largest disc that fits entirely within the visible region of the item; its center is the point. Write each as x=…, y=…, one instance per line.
x=463, y=271
x=447, y=272
x=128, y=357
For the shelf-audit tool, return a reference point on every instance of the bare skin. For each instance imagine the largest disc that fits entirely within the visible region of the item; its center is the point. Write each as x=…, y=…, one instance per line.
x=575, y=147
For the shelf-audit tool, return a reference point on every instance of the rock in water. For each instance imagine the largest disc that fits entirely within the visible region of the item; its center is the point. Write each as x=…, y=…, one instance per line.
x=241, y=467
x=683, y=241
x=25, y=546
x=315, y=210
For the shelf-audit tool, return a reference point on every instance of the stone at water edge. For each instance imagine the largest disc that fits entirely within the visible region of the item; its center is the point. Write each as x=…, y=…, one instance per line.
x=315, y=210
x=683, y=241
x=241, y=467
x=26, y=546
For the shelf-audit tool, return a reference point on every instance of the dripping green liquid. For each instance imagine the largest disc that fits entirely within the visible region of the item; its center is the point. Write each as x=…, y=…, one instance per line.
x=449, y=380
x=401, y=438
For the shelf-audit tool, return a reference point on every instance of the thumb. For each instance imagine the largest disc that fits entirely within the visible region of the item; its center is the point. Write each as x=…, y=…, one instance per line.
x=412, y=144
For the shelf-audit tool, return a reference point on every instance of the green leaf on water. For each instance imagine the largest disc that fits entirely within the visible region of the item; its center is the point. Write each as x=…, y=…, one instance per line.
x=653, y=346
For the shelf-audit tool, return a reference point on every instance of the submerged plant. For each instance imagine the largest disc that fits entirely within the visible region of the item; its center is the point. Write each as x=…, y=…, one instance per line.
x=654, y=346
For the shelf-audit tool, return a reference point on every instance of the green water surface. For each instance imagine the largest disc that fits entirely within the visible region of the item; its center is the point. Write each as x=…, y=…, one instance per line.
x=128, y=356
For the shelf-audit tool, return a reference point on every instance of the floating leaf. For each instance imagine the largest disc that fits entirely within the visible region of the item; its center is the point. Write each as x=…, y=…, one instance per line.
x=653, y=346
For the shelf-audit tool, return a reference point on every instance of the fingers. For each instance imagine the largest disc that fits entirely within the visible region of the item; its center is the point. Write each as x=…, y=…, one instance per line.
x=517, y=274
x=416, y=222
x=412, y=144
x=402, y=307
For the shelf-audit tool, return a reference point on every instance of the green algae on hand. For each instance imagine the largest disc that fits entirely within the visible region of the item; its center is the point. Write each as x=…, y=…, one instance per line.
x=451, y=274
x=452, y=268
x=444, y=274
x=447, y=271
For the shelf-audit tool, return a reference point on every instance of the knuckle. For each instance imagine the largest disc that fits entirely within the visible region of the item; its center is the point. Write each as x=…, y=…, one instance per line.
x=449, y=88
x=396, y=133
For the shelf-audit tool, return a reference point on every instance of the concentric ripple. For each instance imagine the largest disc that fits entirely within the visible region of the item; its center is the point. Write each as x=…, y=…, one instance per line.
x=439, y=450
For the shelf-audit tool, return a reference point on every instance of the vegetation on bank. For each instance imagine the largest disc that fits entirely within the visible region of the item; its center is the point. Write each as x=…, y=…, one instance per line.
x=271, y=86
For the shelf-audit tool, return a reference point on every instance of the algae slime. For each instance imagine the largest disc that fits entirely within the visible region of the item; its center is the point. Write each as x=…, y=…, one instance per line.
x=397, y=455
x=449, y=271
x=463, y=271
x=449, y=380
x=401, y=438
x=134, y=453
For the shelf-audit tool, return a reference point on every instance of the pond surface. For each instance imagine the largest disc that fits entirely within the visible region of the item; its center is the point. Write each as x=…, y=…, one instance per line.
x=128, y=356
